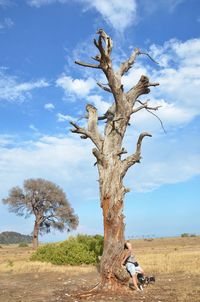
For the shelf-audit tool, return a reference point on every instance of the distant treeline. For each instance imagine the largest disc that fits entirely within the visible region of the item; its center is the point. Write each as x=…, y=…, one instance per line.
x=14, y=237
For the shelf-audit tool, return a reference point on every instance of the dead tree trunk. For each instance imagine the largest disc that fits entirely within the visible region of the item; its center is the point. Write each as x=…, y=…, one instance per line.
x=108, y=151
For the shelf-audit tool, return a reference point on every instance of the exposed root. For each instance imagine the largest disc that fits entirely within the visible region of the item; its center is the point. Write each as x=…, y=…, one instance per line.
x=93, y=291
x=100, y=288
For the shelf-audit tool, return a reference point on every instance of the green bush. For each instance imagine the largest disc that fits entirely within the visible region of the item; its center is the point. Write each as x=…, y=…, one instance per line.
x=188, y=235
x=83, y=249
x=185, y=235
x=23, y=244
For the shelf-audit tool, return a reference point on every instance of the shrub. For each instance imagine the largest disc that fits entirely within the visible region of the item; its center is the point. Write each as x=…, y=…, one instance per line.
x=188, y=235
x=23, y=244
x=82, y=249
x=185, y=235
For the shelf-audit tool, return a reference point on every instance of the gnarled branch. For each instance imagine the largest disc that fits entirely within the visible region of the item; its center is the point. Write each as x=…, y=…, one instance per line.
x=134, y=158
x=142, y=87
x=129, y=63
x=104, y=87
x=87, y=64
x=92, y=131
x=144, y=105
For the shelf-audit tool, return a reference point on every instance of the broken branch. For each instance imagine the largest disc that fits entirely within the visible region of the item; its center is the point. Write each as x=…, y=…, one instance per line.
x=87, y=64
x=129, y=63
x=104, y=87
x=134, y=158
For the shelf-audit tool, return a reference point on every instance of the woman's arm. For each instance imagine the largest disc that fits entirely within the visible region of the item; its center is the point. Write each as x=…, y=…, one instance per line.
x=125, y=255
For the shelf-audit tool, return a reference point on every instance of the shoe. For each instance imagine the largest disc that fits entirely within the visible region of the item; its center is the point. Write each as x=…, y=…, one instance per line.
x=141, y=288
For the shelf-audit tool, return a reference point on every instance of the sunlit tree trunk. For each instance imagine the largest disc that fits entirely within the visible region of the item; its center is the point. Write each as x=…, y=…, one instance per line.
x=35, y=234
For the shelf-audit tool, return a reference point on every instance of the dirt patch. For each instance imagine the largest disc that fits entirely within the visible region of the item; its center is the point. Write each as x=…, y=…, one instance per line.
x=51, y=287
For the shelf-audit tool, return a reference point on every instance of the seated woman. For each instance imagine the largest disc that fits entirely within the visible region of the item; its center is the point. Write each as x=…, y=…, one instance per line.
x=132, y=265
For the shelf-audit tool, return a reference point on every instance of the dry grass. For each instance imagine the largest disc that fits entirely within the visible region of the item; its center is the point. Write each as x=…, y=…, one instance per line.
x=172, y=262
x=18, y=267
x=167, y=255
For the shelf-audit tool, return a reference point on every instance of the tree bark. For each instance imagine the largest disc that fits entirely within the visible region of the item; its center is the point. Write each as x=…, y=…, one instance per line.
x=112, y=194
x=113, y=220
x=35, y=234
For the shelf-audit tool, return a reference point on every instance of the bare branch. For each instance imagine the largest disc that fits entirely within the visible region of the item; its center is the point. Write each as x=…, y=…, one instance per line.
x=97, y=58
x=92, y=131
x=87, y=64
x=104, y=87
x=107, y=40
x=79, y=130
x=134, y=158
x=129, y=63
x=149, y=110
x=146, y=54
x=153, y=84
x=144, y=105
x=142, y=87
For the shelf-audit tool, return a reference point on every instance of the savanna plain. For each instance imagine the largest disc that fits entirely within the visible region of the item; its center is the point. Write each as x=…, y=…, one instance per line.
x=175, y=262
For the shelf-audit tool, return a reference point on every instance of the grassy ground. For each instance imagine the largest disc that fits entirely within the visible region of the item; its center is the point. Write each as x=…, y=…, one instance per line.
x=174, y=261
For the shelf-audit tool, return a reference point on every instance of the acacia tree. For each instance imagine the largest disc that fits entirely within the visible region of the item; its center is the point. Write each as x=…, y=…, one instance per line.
x=109, y=149
x=47, y=202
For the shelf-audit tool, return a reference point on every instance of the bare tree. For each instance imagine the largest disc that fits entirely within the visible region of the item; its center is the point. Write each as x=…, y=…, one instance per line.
x=108, y=151
x=47, y=202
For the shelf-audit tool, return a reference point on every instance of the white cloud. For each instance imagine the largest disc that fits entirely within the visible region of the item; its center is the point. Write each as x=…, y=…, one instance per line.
x=63, y=118
x=179, y=76
x=76, y=87
x=119, y=14
x=11, y=89
x=131, y=79
x=49, y=106
x=68, y=161
x=32, y=127
x=7, y=23
x=5, y=140
x=166, y=158
x=64, y=160
x=151, y=6
x=38, y=3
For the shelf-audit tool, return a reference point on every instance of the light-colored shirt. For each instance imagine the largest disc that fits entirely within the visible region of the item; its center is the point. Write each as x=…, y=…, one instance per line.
x=131, y=258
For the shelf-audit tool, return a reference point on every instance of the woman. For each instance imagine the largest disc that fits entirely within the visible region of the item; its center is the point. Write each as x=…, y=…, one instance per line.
x=132, y=265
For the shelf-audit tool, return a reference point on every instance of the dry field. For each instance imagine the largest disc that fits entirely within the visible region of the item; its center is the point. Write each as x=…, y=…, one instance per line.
x=174, y=261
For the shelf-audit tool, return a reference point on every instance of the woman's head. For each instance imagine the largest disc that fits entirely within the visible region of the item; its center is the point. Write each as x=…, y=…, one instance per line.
x=128, y=245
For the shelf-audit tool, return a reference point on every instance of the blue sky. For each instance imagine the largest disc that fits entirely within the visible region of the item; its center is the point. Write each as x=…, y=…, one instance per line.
x=41, y=89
